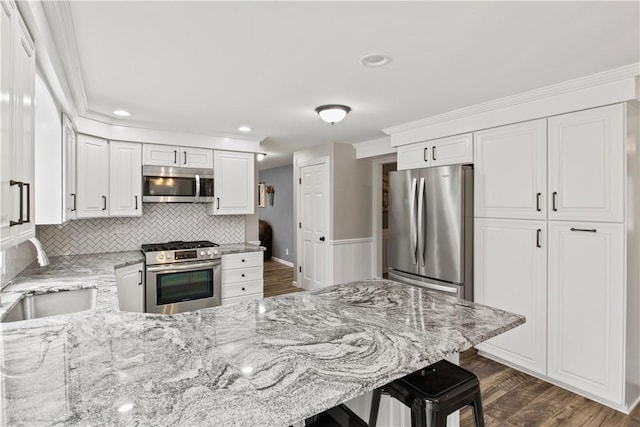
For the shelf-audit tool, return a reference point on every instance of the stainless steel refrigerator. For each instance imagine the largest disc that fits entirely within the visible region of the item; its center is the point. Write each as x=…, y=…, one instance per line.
x=431, y=228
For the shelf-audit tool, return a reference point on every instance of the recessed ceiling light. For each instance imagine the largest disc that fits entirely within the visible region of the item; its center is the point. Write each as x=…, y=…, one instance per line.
x=122, y=113
x=244, y=129
x=375, y=60
x=261, y=156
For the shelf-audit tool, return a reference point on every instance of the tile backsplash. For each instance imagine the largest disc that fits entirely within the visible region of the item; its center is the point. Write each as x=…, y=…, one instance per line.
x=160, y=222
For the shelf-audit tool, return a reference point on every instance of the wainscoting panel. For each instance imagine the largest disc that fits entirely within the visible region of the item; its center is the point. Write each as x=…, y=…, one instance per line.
x=160, y=222
x=352, y=260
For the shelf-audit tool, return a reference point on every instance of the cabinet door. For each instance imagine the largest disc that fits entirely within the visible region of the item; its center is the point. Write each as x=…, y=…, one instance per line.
x=130, y=285
x=69, y=169
x=234, y=183
x=125, y=179
x=453, y=150
x=510, y=174
x=93, y=177
x=414, y=156
x=160, y=155
x=7, y=156
x=24, y=68
x=586, y=307
x=196, y=157
x=586, y=165
x=511, y=273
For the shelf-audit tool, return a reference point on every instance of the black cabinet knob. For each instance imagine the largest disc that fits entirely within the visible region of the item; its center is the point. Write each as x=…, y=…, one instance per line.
x=322, y=239
x=243, y=276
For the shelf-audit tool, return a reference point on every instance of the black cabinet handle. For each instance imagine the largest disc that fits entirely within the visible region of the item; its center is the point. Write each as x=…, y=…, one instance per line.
x=136, y=198
x=538, y=238
x=433, y=152
x=218, y=202
x=538, y=202
x=426, y=154
x=26, y=184
x=21, y=186
x=185, y=157
x=74, y=201
x=322, y=239
x=553, y=201
x=175, y=156
x=139, y=277
x=588, y=230
x=104, y=203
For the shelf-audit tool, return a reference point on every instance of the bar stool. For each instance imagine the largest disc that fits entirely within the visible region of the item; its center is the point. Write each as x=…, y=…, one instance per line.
x=432, y=394
x=339, y=416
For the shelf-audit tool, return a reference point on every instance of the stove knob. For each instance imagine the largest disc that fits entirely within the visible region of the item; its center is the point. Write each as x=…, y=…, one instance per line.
x=169, y=256
x=160, y=257
x=201, y=253
x=209, y=253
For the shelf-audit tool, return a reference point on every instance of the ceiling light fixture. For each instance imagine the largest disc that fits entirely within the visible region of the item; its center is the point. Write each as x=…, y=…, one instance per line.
x=332, y=113
x=375, y=60
x=261, y=156
x=122, y=113
x=244, y=129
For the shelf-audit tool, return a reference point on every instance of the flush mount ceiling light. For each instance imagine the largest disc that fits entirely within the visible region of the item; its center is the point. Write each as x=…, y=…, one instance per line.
x=375, y=60
x=261, y=156
x=122, y=113
x=332, y=113
x=244, y=129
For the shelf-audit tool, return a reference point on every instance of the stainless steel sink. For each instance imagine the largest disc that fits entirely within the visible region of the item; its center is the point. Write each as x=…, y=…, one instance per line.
x=52, y=304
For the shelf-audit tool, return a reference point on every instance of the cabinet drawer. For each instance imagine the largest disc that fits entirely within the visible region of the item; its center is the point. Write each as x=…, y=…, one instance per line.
x=233, y=300
x=241, y=275
x=242, y=289
x=244, y=260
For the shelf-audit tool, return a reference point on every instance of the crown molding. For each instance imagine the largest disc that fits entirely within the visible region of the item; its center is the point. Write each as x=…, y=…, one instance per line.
x=616, y=74
x=60, y=19
x=374, y=147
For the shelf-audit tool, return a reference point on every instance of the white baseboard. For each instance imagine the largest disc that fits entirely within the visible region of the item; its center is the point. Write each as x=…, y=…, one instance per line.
x=294, y=283
x=281, y=261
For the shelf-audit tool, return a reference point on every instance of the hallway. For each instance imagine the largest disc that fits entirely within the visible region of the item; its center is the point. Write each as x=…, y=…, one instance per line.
x=278, y=279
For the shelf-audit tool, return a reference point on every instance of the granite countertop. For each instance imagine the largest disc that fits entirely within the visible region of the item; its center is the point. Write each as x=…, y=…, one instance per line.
x=236, y=248
x=270, y=362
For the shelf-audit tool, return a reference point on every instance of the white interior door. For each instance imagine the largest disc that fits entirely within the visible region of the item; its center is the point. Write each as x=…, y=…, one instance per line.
x=314, y=221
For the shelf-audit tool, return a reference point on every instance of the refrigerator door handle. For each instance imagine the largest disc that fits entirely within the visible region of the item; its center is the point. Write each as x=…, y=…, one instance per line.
x=421, y=230
x=412, y=219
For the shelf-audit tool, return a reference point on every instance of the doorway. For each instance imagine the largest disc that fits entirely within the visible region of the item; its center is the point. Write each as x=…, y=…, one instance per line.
x=380, y=205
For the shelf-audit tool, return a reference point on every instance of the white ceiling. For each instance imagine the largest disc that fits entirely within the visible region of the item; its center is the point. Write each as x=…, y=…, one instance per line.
x=209, y=67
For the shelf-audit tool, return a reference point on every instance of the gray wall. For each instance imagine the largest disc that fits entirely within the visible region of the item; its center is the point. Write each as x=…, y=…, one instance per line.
x=280, y=215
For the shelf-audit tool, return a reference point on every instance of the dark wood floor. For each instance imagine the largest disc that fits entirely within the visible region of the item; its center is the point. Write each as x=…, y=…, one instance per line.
x=278, y=279
x=510, y=398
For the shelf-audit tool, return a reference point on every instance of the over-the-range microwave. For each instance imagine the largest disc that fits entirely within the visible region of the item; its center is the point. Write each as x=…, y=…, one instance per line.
x=176, y=185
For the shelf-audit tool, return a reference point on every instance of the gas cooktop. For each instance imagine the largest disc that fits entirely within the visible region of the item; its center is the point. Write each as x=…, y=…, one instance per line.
x=177, y=245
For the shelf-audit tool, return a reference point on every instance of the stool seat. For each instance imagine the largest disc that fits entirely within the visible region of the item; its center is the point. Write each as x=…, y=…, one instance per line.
x=432, y=394
x=338, y=416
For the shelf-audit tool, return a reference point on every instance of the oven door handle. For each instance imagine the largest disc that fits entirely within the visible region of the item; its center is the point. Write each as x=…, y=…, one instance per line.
x=174, y=267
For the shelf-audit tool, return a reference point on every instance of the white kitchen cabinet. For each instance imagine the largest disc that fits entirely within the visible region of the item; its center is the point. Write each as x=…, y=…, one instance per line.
x=130, y=285
x=17, y=86
x=234, y=183
x=586, y=165
x=173, y=155
x=93, y=177
x=511, y=273
x=510, y=171
x=242, y=277
x=587, y=308
x=437, y=152
x=69, y=187
x=125, y=179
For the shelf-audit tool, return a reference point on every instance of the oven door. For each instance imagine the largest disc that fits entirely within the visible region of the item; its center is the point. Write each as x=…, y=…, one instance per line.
x=183, y=287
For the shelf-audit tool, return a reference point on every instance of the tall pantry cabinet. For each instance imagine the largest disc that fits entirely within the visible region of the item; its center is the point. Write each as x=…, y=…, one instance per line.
x=551, y=239
x=17, y=88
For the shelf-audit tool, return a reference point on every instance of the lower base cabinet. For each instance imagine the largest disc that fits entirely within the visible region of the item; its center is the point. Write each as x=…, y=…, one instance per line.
x=242, y=277
x=130, y=285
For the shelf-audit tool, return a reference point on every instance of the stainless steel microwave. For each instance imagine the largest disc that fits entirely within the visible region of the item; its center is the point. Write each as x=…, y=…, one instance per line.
x=176, y=185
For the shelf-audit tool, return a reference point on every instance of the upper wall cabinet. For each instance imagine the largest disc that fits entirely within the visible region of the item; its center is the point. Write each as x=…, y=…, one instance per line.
x=586, y=165
x=17, y=87
x=437, y=152
x=233, y=183
x=171, y=155
x=93, y=177
x=510, y=171
x=125, y=179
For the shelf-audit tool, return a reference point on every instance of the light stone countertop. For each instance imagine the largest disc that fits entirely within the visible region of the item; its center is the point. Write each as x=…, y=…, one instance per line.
x=258, y=363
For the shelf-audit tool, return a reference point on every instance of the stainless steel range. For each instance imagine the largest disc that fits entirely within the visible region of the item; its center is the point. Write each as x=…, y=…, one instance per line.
x=182, y=276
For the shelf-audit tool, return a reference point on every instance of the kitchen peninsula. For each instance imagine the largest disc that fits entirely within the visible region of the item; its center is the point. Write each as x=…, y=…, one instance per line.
x=258, y=363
